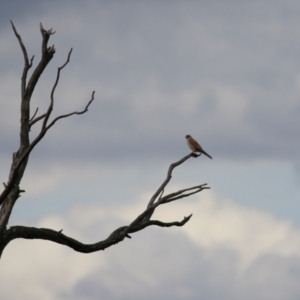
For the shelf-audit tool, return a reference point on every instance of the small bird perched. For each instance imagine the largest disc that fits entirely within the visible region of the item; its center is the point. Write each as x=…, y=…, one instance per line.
x=193, y=144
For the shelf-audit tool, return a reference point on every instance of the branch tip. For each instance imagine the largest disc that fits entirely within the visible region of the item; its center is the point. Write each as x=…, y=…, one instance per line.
x=34, y=115
x=12, y=24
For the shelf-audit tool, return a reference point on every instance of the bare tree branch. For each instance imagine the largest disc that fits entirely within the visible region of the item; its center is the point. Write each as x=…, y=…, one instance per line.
x=50, y=108
x=73, y=113
x=169, y=176
x=15, y=232
x=28, y=123
x=118, y=235
x=33, y=115
x=12, y=189
x=33, y=121
x=26, y=153
x=28, y=64
x=179, y=194
x=165, y=224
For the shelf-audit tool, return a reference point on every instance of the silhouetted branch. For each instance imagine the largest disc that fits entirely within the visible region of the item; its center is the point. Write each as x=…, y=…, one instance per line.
x=180, y=194
x=169, y=176
x=26, y=122
x=33, y=121
x=24, y=232
x=28, y=64
x=32, y=233
x=12, y=189
x=73, y=113
x=139, y=223
x=50, y=108
x=33, y=115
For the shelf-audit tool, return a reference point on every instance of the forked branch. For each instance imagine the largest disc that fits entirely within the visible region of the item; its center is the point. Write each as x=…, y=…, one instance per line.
x=12, y=190
x=139, y=223
x=26, y=121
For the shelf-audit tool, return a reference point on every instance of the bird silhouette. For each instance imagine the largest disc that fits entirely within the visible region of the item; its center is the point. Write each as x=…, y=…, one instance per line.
x=195, y=146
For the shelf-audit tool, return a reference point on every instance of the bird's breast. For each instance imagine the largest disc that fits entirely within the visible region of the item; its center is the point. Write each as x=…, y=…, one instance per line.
x=190, y=145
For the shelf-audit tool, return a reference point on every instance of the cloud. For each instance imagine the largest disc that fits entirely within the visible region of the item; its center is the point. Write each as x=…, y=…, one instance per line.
x=226, y=74
x=161, y=71
x=248, y=231
x=226, y=250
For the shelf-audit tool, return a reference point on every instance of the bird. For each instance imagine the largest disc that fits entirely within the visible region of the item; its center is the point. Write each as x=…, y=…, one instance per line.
x=194, y=145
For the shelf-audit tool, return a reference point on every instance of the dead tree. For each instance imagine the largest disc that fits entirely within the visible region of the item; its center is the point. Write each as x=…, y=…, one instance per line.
x=20, y=158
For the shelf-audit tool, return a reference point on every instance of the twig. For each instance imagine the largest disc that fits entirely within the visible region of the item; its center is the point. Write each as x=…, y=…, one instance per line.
x=50, y=108
x=73, y=113
x=167, y=180
x=30, y=120
x=37, y=119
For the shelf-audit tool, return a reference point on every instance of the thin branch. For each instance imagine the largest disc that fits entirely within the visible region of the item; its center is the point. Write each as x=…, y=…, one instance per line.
x=31, y=61
x=47, y=54
x=161, y=194
x=165, y=224
x=73, y=113
x=182, y=196
x=167, y=180
x=30, y=120
x=172, y=195
x=20, y=42
x=46, y=115
x=146, y=215
x=46, y=35
x=27, y=152
x=50, y=108
x=37, y=119
x=28, y=64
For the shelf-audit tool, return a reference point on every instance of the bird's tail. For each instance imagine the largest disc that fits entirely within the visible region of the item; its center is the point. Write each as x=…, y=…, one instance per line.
x=206, y=154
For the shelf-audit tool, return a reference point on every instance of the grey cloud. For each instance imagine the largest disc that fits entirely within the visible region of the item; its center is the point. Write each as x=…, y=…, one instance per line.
x=189, y=276
x=194, y=273
x=159, y=73
x=148, y=56
x=280, y=276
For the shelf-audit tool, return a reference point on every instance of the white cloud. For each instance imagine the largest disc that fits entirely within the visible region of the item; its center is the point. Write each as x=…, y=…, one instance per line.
x=256, y=248
x=249, y=232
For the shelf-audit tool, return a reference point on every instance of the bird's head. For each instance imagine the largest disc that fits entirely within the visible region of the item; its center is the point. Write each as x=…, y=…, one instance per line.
x=187, y=136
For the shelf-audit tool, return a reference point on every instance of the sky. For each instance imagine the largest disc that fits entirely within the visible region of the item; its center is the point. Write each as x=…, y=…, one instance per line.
x=225, y=72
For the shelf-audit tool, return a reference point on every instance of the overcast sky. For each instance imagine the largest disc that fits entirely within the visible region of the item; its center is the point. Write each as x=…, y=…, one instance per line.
x=225, y=72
